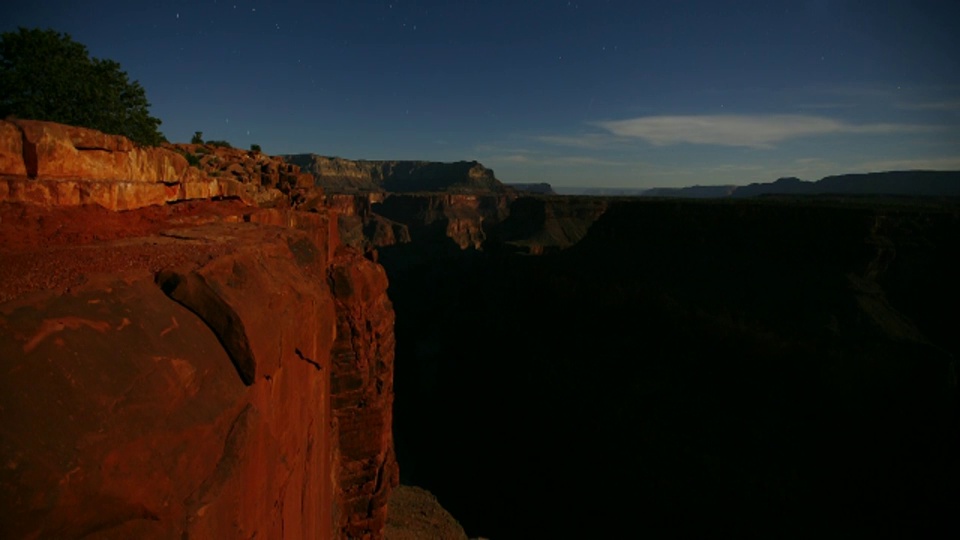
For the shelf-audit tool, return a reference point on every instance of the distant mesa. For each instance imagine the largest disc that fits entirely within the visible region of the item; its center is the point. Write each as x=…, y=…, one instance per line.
x=895, y=183
x=338, y=175
x=902, y=183
x=541, y=188
x=693, y=192
x=601, y=191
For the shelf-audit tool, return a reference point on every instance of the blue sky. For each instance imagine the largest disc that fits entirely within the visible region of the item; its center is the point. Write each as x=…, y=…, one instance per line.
x=596, y=93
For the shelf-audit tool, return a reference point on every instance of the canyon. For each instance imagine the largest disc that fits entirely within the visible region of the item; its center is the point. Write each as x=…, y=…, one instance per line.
x=205, y=342
x=744, y=368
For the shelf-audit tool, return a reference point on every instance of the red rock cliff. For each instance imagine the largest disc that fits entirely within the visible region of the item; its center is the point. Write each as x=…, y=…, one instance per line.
x=203, y=370
x=338, y=175
x=59, y=165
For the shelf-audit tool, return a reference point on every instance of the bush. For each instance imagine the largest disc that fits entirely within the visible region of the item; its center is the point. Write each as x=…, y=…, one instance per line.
x=220, y=144
x=197, y=138
x=45, y=75
x=255, y=148
x=192, y=159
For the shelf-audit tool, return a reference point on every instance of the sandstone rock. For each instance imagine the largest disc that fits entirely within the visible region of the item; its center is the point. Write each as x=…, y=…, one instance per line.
x=53, y=164
x=338, y=175
x=416, y=514
x=362, y=394
x=153, y=433
x=463, y=218
x=130, y=414
x=11, y=150
x=59, y=151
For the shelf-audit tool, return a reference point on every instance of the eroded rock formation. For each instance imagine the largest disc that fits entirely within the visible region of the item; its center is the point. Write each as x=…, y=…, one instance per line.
x=200, y=370
x=338, y=175
x=58, y=165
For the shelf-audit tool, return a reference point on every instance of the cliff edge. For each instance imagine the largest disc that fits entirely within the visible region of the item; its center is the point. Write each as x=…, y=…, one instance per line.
x=221, y=367
x=338, y=175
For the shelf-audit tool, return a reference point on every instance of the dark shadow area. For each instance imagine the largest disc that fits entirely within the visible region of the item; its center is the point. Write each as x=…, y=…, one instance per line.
x=758, y=368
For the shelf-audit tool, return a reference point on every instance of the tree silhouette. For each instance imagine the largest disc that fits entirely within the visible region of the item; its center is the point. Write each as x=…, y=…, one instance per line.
x=45, y=75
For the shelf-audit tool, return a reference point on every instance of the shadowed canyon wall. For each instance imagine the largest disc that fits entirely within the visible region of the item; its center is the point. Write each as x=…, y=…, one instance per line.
x=756, y=368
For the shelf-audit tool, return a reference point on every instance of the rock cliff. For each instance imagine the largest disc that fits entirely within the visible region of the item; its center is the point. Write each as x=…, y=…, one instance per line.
x=890, y=183
x=58, y=165
x=338, y=175
x=209, y=369
x=435, y=219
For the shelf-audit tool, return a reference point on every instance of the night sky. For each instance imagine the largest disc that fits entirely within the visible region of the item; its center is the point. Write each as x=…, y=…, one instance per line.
x=596, y=93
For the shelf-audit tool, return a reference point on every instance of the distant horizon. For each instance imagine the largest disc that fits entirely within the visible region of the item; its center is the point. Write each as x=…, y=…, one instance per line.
x=611, y=187
x=628, y=94
x=811, y=180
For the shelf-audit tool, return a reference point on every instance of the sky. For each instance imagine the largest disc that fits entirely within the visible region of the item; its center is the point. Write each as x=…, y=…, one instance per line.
x=602, y=93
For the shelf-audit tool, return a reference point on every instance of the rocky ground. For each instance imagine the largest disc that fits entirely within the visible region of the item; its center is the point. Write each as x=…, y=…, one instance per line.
x=415, y=514
x=55, y=248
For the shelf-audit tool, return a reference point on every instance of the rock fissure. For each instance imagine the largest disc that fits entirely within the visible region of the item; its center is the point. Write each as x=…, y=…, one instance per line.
x=28, y=153
x=194, y=293
x=316, y=365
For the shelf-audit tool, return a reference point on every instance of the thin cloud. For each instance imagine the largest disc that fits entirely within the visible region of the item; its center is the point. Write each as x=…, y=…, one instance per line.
x=728, y=167
x=514, y=158
x=933, y=164
x=550, y=160
x=950, y=106
x=829, y=105
x=586, y=160
x=755, y=131
x=589, y=140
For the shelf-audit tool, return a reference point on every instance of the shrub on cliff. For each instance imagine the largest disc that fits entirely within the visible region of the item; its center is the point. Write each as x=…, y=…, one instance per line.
x=45, y=75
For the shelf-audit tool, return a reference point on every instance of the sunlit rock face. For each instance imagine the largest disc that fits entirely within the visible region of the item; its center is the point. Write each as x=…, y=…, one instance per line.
x=199, y=370
x=58, y=165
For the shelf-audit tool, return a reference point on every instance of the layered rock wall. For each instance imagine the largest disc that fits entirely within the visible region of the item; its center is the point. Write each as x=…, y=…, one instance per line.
x=224, y=372
x=58, y=165
x=362, y=394
x=351, y=176
x=462, y=218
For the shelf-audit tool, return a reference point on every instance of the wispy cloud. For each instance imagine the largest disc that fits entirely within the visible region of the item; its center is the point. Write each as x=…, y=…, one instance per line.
x=735, y=167
x=936, y=164
x=585, y=141
x=827, y=105
x=586, y=160
x=947, y=105
x=512, y=158
x=549, y=160
x=756, y=131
